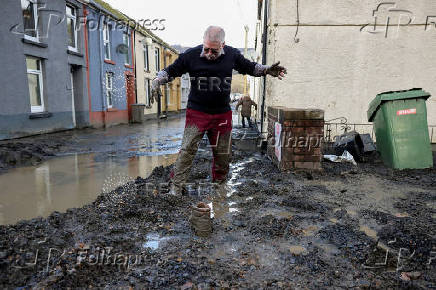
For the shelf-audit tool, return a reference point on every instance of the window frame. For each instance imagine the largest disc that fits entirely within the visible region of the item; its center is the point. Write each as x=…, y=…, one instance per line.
x=109, y=89
x=107, y=40
x=146, y=59
x=39, y=73
x=168, y=94
x=126, y=36
x=147, y=92
x=74, y=19
x=157, y=58
x=36, y=22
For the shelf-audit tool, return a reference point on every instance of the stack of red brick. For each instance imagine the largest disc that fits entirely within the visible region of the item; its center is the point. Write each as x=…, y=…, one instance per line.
x=300, y=133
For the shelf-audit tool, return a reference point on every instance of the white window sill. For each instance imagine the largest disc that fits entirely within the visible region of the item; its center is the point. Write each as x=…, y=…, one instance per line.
x=31, y=38
x=74, y=52
x=34, y=42
x=73, y=49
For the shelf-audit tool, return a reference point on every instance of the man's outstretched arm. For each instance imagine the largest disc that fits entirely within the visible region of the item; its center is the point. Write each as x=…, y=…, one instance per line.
x=276, y=70
x=176, y=69
x=245, y=66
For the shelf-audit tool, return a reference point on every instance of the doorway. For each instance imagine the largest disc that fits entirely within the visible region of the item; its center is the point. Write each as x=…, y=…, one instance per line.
x=131, y=96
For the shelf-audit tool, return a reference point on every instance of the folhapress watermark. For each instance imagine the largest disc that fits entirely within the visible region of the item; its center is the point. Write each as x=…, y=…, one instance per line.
x=38, y=19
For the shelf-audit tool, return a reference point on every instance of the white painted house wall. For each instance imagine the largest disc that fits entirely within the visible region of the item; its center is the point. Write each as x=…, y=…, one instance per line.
x=337, y=67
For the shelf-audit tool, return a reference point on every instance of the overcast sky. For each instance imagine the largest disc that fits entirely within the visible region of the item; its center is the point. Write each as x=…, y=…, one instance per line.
x=186, y=20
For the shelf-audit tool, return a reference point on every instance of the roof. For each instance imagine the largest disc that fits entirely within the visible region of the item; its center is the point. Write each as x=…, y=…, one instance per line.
x=132, y=23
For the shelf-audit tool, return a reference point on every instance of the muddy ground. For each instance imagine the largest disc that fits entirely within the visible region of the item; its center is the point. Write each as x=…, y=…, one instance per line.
x=15, y=154
x=343, y=227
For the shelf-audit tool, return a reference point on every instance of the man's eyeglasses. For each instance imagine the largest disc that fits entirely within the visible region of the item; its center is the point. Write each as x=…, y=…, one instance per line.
x=212, y=50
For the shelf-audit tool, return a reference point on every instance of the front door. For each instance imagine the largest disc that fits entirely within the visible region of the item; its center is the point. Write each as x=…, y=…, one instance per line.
x=131, y=96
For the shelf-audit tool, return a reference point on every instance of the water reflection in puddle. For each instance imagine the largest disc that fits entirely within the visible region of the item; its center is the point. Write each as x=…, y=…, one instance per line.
x=154, y=241
x=219, y=209
x=67, y=182
x=220, y=204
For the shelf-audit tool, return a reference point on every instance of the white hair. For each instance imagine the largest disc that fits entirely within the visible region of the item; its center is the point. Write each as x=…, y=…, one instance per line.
x=214, y=34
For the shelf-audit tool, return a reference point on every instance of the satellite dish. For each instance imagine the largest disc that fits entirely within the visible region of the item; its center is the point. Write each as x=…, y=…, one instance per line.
x=123, y=49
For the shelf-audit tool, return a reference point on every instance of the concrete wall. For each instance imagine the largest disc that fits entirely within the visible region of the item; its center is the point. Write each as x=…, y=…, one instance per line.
x=335, y=65
x=101, y=115
x=15, y=113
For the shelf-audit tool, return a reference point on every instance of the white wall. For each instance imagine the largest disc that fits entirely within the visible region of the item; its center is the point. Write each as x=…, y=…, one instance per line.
x=340, y=69
x=141, y=74
x=185, y=86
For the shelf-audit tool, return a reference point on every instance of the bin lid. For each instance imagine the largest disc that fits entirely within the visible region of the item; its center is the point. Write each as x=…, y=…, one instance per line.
x=394, y=95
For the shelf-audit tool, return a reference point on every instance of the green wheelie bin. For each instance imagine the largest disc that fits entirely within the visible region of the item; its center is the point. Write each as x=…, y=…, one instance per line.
x=400, y=124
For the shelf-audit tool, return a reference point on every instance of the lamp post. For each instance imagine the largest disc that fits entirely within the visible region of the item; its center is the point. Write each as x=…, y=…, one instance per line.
x=245, y=54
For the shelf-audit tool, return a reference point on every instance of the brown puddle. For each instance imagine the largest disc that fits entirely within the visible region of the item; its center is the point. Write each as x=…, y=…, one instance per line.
x=297, y=250
x=310, y=231
x=67, y=182
x=402, y=214
x=368, y=231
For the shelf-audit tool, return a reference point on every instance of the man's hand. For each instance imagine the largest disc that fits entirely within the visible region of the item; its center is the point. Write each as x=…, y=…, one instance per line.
x=276, y=70
x=156, y=93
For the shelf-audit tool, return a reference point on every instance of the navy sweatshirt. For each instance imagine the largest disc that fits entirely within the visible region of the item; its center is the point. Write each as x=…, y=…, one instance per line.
x=210, y=79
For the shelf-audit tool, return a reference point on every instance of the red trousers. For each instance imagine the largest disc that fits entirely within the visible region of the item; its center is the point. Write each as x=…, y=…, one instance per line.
x=218, y=128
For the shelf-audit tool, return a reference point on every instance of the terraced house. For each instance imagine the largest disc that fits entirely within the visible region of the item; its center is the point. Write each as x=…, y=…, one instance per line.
x=152, y=55
x=44, y=73
x=111, y=65
x=72, y=64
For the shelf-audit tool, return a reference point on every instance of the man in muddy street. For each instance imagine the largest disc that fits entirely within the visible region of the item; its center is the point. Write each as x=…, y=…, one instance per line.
x=208, y=110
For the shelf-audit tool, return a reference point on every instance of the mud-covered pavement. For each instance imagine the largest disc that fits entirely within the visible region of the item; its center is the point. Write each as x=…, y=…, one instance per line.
x=346, y=226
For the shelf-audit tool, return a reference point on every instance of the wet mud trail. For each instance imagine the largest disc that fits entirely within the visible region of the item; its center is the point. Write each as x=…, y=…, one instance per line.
x=344, y=227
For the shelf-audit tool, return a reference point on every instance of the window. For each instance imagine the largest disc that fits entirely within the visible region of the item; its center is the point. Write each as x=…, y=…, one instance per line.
x=30, y=19
x=147, y=92
x=107, y=41
x=109, y=89
x=157, y=58
x=71, y=28
x=168, y=94
x=34, y=76
x=146, y=66
x=126, y=42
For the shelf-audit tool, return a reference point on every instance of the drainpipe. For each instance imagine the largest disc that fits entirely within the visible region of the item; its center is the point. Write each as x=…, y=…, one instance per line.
x=134, y=64
x=102, y=80
x=264, y=46
x=159, y=101
x=85, y=33
x=166, y=85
